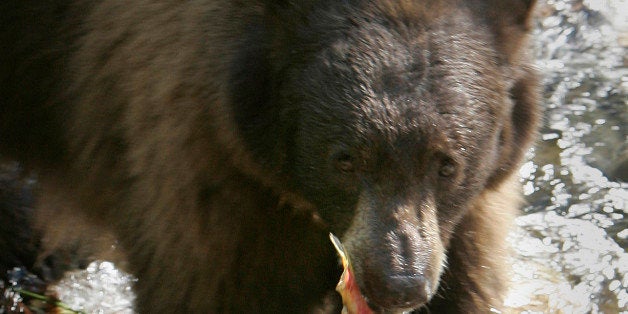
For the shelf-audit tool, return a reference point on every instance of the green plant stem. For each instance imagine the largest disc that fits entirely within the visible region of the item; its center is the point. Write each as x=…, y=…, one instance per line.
x=46, y=299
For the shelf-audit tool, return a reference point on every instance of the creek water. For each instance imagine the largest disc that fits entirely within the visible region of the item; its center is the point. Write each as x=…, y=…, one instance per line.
x=571, y=238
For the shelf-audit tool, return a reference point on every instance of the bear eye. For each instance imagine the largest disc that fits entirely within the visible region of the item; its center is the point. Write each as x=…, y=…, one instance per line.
x=344, y=162
x=447, y=169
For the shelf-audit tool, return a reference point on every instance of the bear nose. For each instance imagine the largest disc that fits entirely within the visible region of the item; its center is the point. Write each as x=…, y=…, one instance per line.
x=399, y=292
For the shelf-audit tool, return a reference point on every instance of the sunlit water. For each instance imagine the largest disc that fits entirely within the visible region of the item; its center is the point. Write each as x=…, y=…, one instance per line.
x=571, y=239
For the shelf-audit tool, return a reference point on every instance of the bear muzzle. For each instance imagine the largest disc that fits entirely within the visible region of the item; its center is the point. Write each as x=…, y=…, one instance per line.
x=394, y=292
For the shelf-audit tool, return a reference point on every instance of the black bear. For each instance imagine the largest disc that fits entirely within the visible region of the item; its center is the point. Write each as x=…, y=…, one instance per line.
x=220, y=141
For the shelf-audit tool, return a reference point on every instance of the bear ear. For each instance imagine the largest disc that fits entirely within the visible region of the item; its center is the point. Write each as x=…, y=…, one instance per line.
x=510, y=21
x=521, y=130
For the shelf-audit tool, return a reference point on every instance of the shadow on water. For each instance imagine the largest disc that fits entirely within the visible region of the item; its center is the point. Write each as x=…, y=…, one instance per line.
x=572, y=236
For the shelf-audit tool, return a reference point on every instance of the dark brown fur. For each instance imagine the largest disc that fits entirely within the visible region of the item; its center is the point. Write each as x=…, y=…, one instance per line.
x=221, y=141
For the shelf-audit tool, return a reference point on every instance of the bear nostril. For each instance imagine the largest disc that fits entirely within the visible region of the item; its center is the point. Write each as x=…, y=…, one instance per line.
x=400, y=292
x=410, y=290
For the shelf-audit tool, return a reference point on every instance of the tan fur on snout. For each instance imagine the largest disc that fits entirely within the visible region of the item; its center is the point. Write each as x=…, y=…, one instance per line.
x=415, y=222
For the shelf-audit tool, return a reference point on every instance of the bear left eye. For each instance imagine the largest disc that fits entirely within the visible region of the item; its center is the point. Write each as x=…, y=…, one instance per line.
x=344, y=162
x=447, y=169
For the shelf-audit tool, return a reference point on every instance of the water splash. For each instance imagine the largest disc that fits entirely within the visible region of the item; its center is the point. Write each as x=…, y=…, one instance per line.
x=99, y=289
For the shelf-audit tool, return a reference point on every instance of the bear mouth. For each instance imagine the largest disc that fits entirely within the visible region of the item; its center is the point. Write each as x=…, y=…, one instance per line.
x=354, y=302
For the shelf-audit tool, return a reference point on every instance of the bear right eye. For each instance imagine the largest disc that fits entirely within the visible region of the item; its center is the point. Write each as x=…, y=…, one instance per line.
x=344, y=163
x=447, y=170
